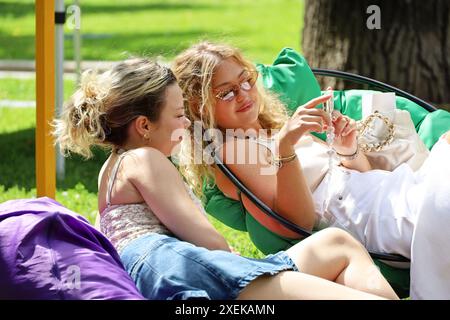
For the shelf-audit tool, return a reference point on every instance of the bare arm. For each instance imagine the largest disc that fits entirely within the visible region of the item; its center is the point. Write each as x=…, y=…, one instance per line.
x=346, y=142
x=286, y=189
x=360, y=163
x=163, y=190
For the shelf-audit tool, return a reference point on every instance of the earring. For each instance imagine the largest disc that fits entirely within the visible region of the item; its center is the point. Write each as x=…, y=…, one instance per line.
x=146, y=137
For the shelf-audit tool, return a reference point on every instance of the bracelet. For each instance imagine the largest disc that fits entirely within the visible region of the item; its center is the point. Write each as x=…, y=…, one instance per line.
x=278, y=162
x=349, y=157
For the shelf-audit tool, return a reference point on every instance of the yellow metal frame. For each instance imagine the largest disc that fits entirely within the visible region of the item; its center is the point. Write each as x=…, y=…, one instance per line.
x=45, y=98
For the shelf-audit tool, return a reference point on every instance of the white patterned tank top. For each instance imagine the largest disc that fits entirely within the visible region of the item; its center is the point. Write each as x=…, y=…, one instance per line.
x=125, y=222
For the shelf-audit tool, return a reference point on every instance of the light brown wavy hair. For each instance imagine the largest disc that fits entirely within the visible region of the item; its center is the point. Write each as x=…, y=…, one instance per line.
x=194, y=69
x=102, y=108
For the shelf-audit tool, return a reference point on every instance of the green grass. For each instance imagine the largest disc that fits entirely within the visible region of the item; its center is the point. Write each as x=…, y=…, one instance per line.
x=110, y=28
x=78, y=191
x=25, y=89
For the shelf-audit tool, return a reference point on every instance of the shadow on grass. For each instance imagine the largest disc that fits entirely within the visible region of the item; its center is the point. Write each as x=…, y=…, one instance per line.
x=17, y=165
x=126, y=7
x=117, y=45
x=112, y=46
x=16, y=47
x=18, y=9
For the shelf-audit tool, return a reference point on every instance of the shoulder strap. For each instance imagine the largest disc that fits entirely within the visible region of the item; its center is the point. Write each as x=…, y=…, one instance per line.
x=112, y=178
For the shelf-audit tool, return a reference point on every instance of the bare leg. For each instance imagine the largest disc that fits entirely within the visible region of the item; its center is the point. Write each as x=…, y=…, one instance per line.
x=334, y=255
x=327, y=256
x=291, y=285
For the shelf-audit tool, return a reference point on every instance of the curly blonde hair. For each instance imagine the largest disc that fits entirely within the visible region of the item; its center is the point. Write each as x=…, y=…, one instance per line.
x=101, y=109
x=194, y=69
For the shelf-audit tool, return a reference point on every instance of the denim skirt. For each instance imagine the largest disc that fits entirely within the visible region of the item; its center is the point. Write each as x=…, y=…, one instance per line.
x=165, y=268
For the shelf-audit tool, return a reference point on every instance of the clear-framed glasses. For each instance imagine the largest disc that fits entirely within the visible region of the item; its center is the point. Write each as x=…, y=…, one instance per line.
x=248, y=80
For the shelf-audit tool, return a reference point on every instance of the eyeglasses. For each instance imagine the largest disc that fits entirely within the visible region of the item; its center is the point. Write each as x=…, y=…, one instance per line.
x=246, y=84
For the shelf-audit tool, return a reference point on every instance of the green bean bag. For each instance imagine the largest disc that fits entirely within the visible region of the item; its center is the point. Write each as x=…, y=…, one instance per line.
x=292, y=79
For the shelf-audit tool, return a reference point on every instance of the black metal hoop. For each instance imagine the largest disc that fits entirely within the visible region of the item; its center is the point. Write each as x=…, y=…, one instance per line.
x=286, y=223
x=375, y=83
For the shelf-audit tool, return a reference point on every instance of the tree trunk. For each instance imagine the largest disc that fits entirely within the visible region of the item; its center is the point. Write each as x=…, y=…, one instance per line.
x=411, y=50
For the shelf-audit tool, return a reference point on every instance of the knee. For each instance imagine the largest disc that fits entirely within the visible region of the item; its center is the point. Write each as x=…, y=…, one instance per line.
x=330, y=240
x=341, y=238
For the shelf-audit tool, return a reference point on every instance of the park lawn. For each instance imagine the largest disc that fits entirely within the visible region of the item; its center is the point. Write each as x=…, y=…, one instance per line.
x=112, y=30
x=78, y=191
x=25, y=89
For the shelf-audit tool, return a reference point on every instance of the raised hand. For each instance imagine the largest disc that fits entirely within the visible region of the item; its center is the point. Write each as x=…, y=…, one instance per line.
x=305, y=119
x=345, y=141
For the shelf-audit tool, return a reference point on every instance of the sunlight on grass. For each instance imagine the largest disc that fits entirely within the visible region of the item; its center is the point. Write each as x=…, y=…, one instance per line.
x=25, y=89
x=110, y=28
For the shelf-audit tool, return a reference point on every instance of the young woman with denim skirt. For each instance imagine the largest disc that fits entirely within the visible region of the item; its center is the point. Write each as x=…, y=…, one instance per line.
x=164, y=239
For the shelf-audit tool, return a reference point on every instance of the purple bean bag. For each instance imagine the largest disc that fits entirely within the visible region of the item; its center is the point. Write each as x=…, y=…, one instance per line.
x=49, y=252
